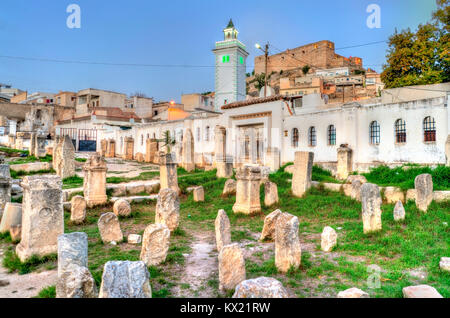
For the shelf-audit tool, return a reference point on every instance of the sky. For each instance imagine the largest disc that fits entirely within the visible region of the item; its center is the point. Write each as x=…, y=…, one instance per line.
x=171, y=33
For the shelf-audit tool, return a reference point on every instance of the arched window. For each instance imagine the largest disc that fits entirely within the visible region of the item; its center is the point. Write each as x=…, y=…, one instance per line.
x=374, y=133
x=294, y=137
x=312, y=136
x=207, y=133
x=429, y=129
x=199, y=137
x=331, y=135
x=400, y=131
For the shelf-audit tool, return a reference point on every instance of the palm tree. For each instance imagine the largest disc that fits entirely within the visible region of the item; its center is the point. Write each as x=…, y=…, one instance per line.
x=167, y=140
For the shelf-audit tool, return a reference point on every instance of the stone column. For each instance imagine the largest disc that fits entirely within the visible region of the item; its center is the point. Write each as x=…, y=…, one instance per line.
x=273, y=159
x=371, y=208
x=151, y=149
x=220, y=143
x=344, y=162
x=129, y=148
x=39, y=144
x=247, y=190
x=301, y=176
x=64, y=161
x=103, y=147
x=42, y=216
x=168, y=176
x=32, y=144
x=447, y=151
x=187, y=151
x=5, y=186
x=111, y=148
x=95, y=181
x=424, y=191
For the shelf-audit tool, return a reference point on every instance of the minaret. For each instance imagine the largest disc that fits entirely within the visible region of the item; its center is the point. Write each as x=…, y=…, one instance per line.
x=231, y=57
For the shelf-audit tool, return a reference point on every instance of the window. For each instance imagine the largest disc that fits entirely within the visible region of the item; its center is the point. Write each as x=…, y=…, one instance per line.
x=429, y=129
x=294, y=137
x=312, y=137
x=400, y=131
x=225, y=59
x=241, y=60
x=198, y=134
x=207, y=133
x=331, y=135
x=374, y=133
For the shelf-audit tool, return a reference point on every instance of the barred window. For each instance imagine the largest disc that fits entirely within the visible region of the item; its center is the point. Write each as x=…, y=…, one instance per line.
x=207, y=133
x=294, y=137
x=374, y=133
x=198, y=134
x=429, y=129
x=312, y=137
x=331, y=135
x=400, y=131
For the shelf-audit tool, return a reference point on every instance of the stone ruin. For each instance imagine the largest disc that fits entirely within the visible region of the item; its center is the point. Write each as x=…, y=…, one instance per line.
x=110, y=148
x=168, y=176
x=223, y=230
x=231, y=267
x=155, y=244
x=223, y=163
x=151, y=151
x=168, y=209
x=247, y=190
x=424, y=191
x=64, y=158
x=288, y=252
x=42, y=216
x=344, y=162
x=371, y=208
x=5, y=186
x=187, y=151
x=94, y=184
x=302, y=173
x=128, y=148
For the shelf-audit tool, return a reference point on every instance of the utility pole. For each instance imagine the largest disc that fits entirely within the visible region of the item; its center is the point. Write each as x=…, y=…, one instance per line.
x=266, y=55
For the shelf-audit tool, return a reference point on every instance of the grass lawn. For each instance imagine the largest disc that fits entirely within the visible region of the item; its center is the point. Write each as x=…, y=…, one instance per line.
x=400, y=249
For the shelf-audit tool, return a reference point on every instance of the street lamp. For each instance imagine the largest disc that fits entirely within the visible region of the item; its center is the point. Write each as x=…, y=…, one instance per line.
x=266, y=55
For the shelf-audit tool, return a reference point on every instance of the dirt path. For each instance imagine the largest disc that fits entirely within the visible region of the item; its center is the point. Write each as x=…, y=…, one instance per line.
x=24, y=286
x=200, y=267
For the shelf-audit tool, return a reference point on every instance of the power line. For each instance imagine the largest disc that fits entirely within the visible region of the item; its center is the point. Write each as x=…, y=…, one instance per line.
x=360, y=45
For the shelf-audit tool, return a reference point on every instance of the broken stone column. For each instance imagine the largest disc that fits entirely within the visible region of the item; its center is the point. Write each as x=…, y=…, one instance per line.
x=223, y=230
x=111, y=149
x=5, y=186
x=220, y=143
x=328, y=239
x=344, y=162
x=224, y=169
x=424, y=191
x=125, y=279
x=76, y=282
x=77, y=209
x=270, y=221
x=261, y=287
x=270, y=193
x=399, y=211
x=272, y=159
x=103, y=147
x=155, y=244
x=199, y=194
x=12, y=216
x=64, y=161
x=109, y=228
x=168, y=209
x=247, y=190
x=302, y=174
x=39, y=145
x=371, y=211
x=187, y=152
x=122, y=208
x=42, y=216
x=32, y=149
x=129, y=148
x=168, y=176
x=231, y=267
x=151, y=151
x=288, y=252
x=72, y=249
x=94, y=184
x=229, y=187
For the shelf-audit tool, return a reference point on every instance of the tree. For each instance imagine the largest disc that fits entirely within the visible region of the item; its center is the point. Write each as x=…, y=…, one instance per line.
x=260, y=80
x=421, y=57
x=305, y=69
